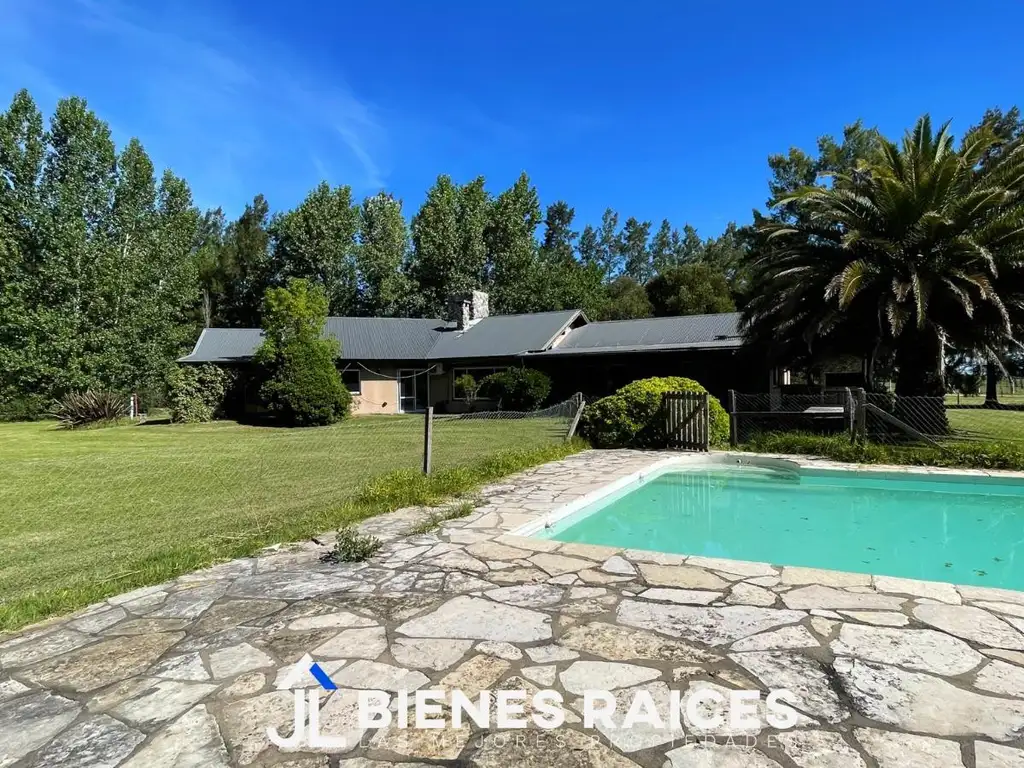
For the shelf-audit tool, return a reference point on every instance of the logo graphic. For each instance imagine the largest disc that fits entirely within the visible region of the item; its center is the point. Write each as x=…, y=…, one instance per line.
x=300, y=669
x=306, y=732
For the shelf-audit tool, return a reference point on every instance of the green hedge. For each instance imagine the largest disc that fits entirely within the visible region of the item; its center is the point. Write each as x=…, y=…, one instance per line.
x=631, y=418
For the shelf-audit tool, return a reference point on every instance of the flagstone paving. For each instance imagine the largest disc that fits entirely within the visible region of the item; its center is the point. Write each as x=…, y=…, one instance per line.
x=887, y=672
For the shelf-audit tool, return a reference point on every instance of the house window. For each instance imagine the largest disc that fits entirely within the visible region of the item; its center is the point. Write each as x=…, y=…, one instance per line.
x=350, y=378
x=478, y=375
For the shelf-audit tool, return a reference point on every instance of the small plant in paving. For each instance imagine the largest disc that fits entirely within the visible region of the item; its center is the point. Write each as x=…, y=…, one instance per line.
x=352, y=547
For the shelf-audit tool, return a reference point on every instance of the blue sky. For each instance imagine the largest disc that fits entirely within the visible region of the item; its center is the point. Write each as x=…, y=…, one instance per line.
x=657, y=109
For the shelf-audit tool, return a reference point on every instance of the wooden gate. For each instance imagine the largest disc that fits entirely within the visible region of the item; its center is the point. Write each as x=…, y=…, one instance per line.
x=686, y=420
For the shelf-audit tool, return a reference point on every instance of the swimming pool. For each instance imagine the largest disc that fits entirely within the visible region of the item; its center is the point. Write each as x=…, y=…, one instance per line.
x=957, y=528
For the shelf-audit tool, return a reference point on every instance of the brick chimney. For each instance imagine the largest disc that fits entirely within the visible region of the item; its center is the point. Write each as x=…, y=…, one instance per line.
x=467, y=309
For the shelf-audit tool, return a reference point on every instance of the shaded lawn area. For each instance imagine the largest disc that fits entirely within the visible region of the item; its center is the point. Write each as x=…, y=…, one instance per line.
x=89, y=513
x=986, y=424
x=1005, y=398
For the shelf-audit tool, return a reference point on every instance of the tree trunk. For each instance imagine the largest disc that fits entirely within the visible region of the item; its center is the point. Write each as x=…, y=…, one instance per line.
x=919, y=363
x=991, y=384
x=920, y=381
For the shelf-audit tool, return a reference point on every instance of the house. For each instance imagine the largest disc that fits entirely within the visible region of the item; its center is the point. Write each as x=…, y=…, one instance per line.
x=402, y=365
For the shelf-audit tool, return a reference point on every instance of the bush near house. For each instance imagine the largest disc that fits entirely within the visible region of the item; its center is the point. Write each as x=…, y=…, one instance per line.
x=304, y=388
x=195, y=393
x=517, y=389
x=467, y=388
x=631, y=418
x=301, y=383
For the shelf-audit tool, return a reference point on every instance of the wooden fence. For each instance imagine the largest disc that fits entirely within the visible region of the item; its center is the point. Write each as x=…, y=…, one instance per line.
x=686, y=420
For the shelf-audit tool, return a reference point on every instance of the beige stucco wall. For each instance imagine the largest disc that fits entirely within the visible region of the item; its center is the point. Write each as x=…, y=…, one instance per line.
x=379, y=393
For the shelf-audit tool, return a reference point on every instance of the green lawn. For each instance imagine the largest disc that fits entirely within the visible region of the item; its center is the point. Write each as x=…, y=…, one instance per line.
x=1017, y=398
x=986, y=424
x=88, y=513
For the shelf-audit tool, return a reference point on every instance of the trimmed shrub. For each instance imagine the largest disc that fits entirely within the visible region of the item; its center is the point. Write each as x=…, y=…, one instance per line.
x=631, y=418
x=196, y=392
x=78, y=409
x=466, y=388
x=517, y=389
x=304, y=388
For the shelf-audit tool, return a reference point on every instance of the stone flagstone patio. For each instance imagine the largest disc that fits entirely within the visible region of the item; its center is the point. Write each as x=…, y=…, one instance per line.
x=889, y=672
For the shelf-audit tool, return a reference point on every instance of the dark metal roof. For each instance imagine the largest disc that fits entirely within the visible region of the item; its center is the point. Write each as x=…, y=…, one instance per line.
x=362, y=338
x=403, y=338
x=653, y=335
x=224, y=345
x=502, y=335
x=384, y=338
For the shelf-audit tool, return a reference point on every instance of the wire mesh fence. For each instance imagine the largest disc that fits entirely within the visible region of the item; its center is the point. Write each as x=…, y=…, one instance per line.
x=124, y=499
x=464, y=438
x=827, y=412
x=879, y=417
x=937, y=420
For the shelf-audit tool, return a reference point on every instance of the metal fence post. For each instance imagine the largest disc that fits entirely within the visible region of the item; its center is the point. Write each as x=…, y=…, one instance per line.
x=734, y=430
x=860, y=417
x=576, y=418
x=428, y=434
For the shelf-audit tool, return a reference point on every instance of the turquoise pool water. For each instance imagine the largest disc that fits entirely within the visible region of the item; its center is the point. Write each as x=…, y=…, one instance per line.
x=961, y=530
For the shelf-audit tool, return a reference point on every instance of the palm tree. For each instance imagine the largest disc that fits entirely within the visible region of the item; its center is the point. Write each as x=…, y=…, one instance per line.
x=904, y=253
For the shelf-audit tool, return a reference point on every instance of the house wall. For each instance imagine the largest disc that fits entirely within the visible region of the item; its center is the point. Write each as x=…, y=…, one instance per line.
x=599, y=375
x=379, y=392
x=441, y=386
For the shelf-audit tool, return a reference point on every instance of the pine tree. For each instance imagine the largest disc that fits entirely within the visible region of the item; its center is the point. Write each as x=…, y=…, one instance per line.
x=316, y=241
x=610, y=244
x=76, y=190
x=662, y=256
x=512, y=248
x=589, y=247
x=438, y=262
x=634, y=249
x=22, y=147
x=245, y=262
x=383, y=248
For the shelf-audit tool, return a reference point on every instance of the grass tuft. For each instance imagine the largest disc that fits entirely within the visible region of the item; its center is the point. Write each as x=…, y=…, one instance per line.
x=437, y=517
x=967, y=455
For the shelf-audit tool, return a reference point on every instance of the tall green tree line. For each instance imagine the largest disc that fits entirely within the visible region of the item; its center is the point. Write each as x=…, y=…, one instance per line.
x=99, y=279
x=109, y=270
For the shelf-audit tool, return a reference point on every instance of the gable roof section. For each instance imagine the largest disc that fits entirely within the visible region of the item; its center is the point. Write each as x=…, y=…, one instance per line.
x=224, y=345
x=502, y=335
x=384, y=338
x=653, y=335
x=362, y=338
x=403, y=338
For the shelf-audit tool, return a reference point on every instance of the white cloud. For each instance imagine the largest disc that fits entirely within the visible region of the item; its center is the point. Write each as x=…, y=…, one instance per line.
x=223, y=105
